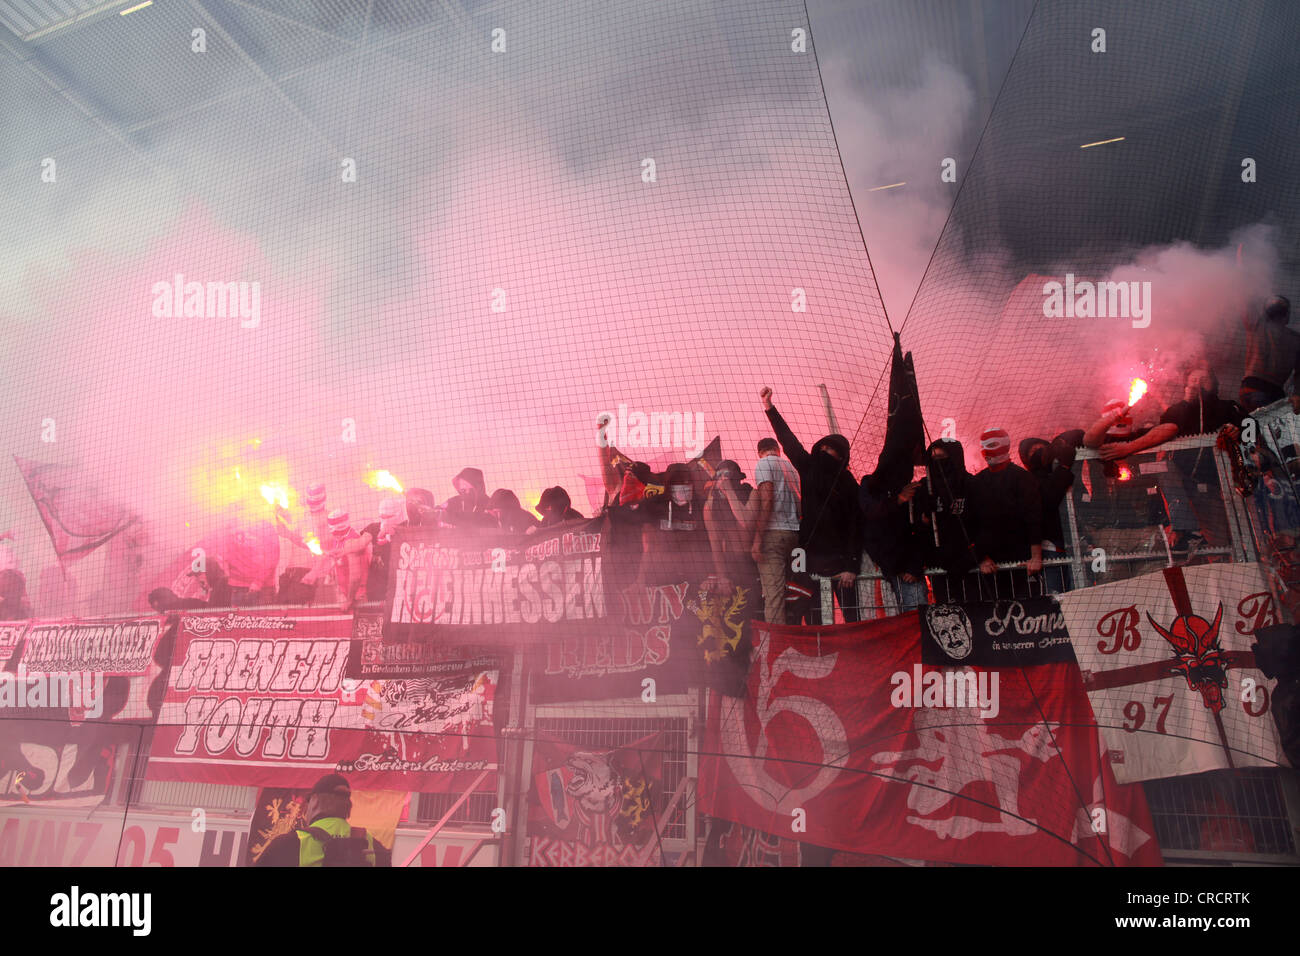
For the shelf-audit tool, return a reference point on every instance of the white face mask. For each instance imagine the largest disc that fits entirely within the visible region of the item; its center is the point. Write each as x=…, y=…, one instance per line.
x=680, y=495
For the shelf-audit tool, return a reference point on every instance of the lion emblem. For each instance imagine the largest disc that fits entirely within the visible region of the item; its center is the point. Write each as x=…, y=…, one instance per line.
x=722, y=622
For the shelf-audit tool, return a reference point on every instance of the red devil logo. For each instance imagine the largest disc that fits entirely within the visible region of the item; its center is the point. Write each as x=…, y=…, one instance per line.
x=1198, y=654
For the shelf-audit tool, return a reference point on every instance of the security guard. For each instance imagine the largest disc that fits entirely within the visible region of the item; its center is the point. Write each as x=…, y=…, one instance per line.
x=328, y=807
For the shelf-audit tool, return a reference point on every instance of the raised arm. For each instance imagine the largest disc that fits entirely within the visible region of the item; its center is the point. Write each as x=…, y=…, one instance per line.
x=608, y=456
x=791, y=445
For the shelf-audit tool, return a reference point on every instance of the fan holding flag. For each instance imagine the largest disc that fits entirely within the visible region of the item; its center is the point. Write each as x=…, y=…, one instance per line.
x=894, y=533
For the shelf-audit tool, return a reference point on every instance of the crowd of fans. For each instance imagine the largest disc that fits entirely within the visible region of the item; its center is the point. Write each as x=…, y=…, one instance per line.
x=805, y=517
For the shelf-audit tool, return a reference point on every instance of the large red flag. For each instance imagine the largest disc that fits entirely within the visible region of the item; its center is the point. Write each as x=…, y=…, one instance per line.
x=842, y=742
x=78, y=518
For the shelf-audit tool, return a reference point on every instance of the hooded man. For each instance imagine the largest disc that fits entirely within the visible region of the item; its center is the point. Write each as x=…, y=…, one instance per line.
x=555, y=507
x=831, y=525
x=949, y=535
x=1009, y=519
x=509, y=513
x=421, y=508
x=469, y=508
x=894, y=535
x=1050, y=464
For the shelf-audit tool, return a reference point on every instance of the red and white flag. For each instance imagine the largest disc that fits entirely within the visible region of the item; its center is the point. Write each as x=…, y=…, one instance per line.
x=1167, y=665
x=845, y=739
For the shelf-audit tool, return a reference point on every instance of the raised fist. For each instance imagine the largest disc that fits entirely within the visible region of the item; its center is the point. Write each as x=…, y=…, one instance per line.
x=766, y=396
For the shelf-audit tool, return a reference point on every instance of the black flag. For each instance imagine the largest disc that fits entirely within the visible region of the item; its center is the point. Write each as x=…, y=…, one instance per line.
x=904, y=447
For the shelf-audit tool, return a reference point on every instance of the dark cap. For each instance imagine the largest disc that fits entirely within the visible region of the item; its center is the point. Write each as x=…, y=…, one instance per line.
x=333, y=783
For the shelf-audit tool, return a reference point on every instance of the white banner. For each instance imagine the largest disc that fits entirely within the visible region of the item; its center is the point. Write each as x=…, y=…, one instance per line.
x=1167, y=665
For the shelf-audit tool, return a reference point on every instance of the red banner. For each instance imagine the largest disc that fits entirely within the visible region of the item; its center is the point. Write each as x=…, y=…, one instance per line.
x=260, y=699
x=846, y=740
x=595, y=808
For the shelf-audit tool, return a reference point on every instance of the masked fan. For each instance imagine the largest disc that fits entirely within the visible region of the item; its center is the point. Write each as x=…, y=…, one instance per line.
x=950, y=527
x=1050, y=464
x=1008, y=520
x=509, y=514
x=831, y=526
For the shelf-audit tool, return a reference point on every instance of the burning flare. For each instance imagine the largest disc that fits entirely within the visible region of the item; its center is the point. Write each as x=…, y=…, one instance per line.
x=1125, y=473
x=1136, y=391
x=313, y=545
x=383, y=481
x=276, y=495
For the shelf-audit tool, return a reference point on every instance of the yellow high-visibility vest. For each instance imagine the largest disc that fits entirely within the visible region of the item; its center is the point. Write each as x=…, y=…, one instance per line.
x=311, y=851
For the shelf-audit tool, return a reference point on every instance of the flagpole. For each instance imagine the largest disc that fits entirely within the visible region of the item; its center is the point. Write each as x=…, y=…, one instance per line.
x=830, y=412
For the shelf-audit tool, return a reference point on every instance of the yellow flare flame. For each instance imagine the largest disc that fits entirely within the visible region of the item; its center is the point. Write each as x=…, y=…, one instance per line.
x=275, y=494
x=313, y=545
x=383, y=480
x=1136, y=391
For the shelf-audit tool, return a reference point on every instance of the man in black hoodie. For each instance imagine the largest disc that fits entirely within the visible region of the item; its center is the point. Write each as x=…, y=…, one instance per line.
x=555, y=507
x=831, y=526
x=1050, y=464
x=510, y=514
x=894, y=536
x=469, y=508
x=949, y=529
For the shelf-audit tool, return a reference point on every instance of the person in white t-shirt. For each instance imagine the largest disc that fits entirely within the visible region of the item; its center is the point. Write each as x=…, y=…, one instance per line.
x=776, y=525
